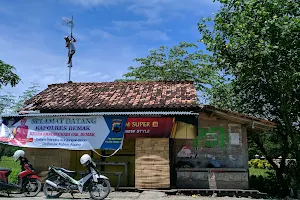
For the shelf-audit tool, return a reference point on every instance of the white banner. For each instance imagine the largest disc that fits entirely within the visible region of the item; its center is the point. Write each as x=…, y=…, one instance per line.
x=72, y=132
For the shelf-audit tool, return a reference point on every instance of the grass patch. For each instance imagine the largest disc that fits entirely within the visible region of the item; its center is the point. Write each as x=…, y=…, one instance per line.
x=258, y=172
x=8, y=162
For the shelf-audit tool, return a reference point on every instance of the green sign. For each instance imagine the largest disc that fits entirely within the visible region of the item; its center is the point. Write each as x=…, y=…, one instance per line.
x=211, y=137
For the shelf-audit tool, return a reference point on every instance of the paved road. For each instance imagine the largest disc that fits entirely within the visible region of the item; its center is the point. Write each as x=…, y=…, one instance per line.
x=147, y=195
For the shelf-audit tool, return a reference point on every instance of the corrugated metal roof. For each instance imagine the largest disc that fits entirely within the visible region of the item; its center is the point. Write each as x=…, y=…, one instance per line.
x=102, y=113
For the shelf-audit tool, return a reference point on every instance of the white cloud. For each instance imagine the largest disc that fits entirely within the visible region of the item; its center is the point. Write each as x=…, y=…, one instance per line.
x=100, y=33
x=170, y=9
x=91, y=3
x=39, y=55
x=155, y=35
x=137, y=25
x=155, y=12
x=155, y=9
x=129, y=24
x=42, y=58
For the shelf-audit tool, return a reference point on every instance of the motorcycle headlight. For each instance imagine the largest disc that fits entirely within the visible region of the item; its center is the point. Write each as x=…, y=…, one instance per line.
x=49, y=168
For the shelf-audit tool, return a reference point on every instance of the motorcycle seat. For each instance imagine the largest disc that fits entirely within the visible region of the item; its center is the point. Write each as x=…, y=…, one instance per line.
x=67, y=171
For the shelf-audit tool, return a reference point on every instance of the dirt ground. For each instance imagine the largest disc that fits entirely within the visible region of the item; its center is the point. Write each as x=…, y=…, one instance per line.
x=146, y=195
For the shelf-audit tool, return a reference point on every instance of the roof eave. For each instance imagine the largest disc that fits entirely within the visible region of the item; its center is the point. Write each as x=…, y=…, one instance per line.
x=112, y=109
x=141, y=113
x=250, y=123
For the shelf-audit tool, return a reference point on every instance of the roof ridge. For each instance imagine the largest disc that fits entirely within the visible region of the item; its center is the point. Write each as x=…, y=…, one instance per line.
x=121, y=82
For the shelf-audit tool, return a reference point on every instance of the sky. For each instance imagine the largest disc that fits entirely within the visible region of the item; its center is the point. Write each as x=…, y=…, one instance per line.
x=109, y=34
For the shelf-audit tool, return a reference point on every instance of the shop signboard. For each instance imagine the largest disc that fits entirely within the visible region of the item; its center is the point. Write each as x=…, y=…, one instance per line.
x=155, y=127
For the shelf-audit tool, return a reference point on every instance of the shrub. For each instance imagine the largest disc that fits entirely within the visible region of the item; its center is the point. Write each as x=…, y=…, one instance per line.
x=259, y=164
x=8, y=162
x=268, y=166
x=7, y=150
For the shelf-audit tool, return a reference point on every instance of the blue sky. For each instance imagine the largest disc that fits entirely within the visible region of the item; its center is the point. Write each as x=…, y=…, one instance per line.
x=109, y=33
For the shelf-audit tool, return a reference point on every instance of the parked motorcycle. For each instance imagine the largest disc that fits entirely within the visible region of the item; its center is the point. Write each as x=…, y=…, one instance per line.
x=4, y=185
x=60, y=180
x=28, y=181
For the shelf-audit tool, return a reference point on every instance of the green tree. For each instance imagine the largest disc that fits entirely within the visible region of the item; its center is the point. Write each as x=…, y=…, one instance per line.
x=28, y=94
x=10, y=103
x=221, y=95
x=258, y=43
x=6, y=102
x=179, y=63
x=7, y=76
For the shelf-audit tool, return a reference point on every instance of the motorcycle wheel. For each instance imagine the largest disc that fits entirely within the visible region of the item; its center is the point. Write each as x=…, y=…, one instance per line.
x=47, y=187
x=32, y=187
x=99, y=187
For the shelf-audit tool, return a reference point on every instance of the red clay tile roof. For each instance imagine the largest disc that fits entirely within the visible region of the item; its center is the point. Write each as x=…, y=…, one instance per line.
x=113, y=96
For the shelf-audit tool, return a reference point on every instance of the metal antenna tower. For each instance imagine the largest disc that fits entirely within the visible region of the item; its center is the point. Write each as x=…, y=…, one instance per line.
x=69, y=23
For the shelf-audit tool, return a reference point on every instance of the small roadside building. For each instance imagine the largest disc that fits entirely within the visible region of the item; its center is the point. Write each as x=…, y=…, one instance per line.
x=170, y=140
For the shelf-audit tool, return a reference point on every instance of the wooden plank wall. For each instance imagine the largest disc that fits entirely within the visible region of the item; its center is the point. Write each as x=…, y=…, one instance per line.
x=126, y=154
x=152, y=164
x=41, y=159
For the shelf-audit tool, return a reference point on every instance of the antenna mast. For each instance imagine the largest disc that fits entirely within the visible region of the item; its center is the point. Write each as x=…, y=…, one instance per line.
x=70, y=23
